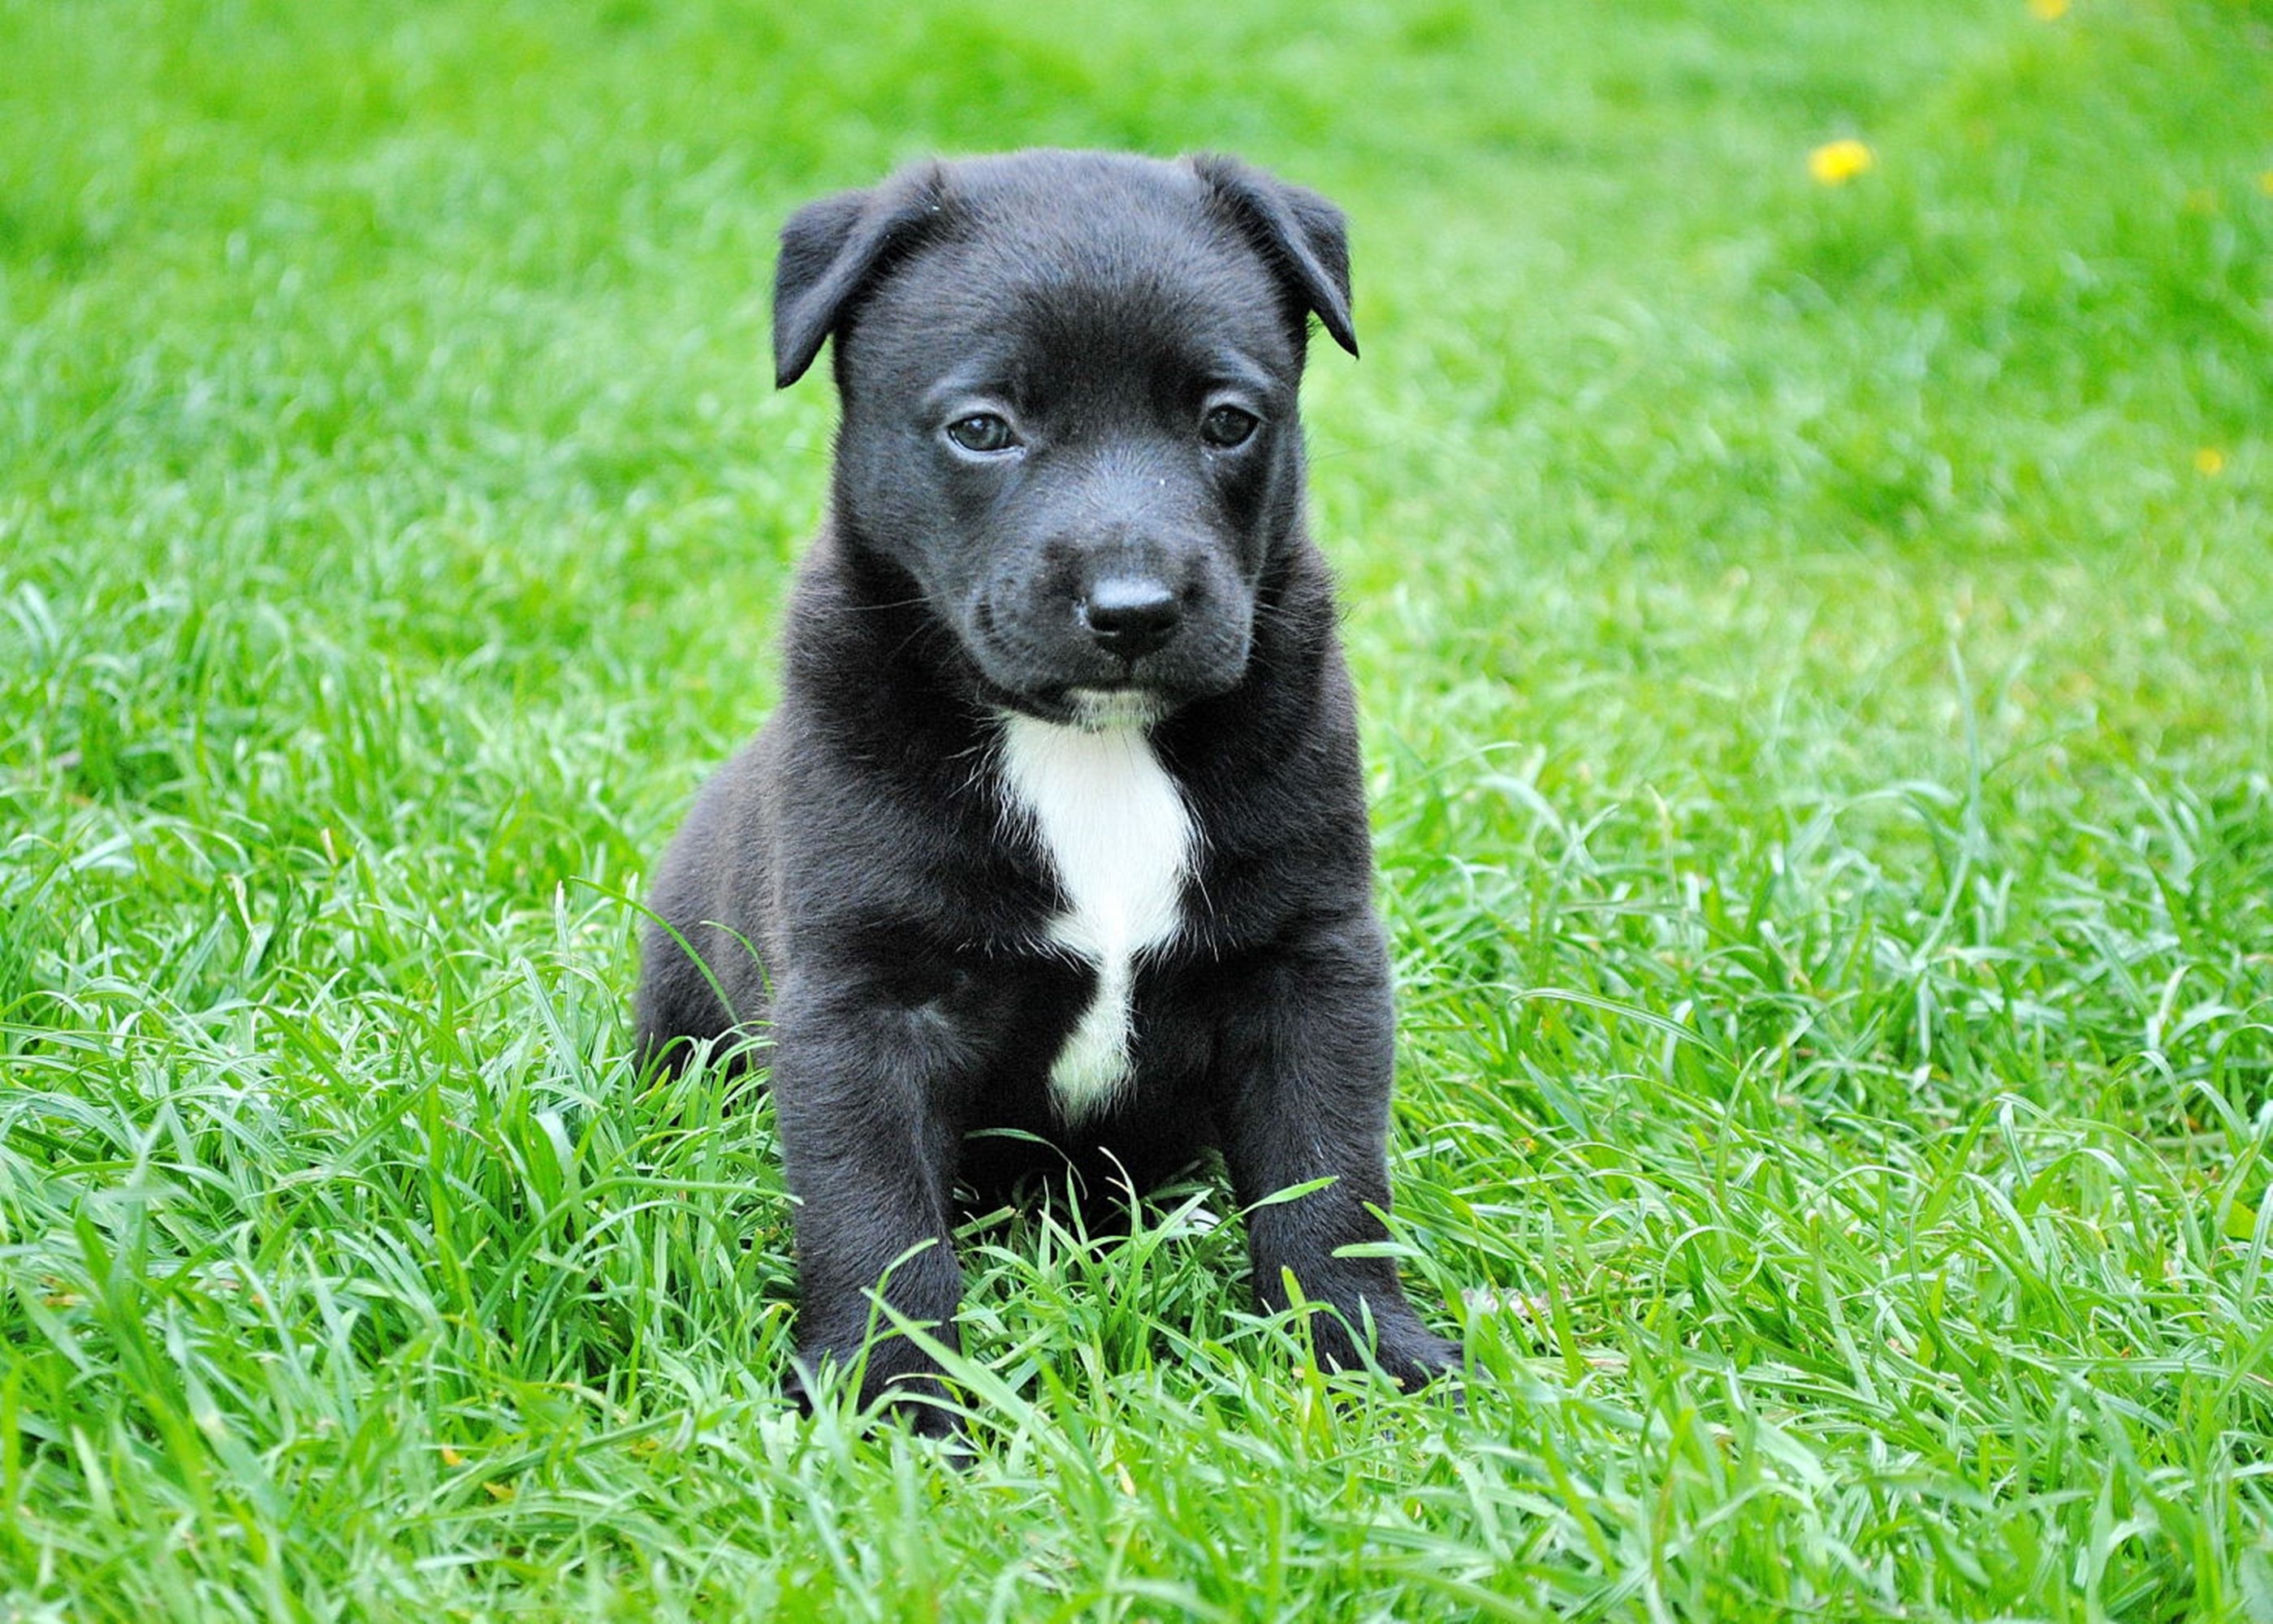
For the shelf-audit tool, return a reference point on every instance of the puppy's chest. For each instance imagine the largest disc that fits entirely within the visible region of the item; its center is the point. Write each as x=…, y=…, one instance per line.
x=1119, y=841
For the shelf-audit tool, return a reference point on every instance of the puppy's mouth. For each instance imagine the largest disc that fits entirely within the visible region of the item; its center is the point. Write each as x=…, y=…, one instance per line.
x=1041, y=671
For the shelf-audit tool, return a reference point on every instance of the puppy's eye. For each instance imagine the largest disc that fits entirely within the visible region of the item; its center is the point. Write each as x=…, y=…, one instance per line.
x=1227, y=426
x=981, y=431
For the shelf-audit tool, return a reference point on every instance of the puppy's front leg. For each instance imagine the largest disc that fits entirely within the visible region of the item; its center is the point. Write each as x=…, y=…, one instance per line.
x=869, y=1103
x=1310, y=1101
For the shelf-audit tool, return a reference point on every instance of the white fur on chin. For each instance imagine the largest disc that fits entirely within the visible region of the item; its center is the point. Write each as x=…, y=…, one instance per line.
x=1114, y=707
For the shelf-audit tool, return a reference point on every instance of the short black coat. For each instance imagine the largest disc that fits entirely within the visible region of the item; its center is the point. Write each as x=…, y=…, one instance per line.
x=854, y=882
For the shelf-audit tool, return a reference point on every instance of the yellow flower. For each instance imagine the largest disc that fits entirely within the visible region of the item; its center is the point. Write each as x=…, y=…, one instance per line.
x=1834, y=163
x=2265, y=182
x=2048, y=11
x=2209, y=461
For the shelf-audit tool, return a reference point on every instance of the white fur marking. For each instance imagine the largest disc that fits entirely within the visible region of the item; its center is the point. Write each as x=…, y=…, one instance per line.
x=1119, y=840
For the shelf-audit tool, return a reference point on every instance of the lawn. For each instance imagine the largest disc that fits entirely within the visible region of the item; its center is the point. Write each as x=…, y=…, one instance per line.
x=1815, y=637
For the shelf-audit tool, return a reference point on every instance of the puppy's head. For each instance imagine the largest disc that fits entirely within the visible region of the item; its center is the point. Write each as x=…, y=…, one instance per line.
x=1070, y=385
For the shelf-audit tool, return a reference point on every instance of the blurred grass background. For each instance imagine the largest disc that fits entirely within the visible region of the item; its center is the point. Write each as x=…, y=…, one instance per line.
x=1815, y=643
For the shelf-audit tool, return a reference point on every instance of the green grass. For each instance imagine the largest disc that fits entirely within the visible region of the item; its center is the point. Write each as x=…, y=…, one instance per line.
x=1816, y=645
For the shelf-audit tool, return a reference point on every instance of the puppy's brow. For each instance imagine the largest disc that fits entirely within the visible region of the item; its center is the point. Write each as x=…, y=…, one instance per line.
x=966, y=390
x=1229, y=370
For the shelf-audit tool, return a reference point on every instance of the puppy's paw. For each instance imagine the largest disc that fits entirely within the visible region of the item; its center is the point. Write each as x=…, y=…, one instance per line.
x=1402, y=1348
x=1413, y=1356
x=918, y=1407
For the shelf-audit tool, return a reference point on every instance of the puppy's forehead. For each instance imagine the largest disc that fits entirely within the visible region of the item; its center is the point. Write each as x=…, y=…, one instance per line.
x=1089, y=256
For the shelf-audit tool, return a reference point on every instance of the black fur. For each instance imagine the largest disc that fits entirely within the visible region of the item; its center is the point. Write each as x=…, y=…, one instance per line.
x=854, y=877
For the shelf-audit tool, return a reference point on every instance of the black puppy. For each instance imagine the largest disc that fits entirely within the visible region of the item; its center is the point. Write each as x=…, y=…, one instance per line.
x=1059, y=825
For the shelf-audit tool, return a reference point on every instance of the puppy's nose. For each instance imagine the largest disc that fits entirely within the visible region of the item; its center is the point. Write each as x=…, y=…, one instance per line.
x=1130, y=616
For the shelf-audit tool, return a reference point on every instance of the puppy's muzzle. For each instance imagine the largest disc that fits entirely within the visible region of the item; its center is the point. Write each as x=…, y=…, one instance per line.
x=1130, y=616
x=1160, y=609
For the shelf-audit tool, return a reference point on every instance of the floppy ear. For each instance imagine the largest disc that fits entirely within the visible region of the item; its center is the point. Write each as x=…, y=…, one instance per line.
x=1303, y=235
x=829, y=249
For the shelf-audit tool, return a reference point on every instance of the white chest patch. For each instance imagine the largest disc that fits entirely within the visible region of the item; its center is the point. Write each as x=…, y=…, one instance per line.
x=1119, y=841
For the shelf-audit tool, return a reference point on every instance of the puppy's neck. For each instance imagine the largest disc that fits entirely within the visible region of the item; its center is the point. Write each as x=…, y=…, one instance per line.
x=1117, y=838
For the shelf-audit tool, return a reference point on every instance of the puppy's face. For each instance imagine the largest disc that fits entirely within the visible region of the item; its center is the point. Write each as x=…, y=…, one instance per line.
x=1071, y=416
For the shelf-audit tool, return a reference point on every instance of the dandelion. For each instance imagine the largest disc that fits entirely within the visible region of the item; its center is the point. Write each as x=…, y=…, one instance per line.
x=1834, y=163
x=2048, y=11
x=2210, y=462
